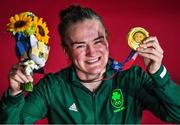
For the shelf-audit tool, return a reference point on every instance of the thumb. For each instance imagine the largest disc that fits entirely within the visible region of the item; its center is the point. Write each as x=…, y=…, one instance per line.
x=30, y=78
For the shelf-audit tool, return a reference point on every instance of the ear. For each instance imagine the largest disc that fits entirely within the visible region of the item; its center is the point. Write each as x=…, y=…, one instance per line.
x=68, y=54
x=107, y=43
x=65, y=51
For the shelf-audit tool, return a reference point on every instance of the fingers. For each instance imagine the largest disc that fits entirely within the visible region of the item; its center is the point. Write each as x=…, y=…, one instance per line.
x=152, y=53
x=155, y=56
x=30, y=78
x=152, y=42
x=151, y=49
x=17, y=75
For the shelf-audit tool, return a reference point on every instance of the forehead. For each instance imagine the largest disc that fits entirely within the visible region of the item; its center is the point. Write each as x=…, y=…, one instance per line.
x=86, y=30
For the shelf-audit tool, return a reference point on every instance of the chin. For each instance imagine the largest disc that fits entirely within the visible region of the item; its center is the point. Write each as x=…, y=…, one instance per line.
x=95, y=70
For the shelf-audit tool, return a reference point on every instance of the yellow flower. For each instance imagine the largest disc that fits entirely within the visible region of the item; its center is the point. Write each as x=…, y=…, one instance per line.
x=41, y=31
x=19, y=23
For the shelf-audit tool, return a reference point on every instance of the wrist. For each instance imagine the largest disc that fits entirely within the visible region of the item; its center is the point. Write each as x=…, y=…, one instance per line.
x=153, y=70
x=15, y=92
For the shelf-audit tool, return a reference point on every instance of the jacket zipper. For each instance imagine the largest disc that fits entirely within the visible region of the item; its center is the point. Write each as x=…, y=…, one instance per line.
x=94, y=106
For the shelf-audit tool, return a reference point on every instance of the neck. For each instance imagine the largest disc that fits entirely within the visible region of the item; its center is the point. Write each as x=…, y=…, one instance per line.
x=92, y=86
x=88, y=78
x=91, y=81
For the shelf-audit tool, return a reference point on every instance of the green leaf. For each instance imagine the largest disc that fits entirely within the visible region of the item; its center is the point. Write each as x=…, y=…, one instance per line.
x=28, y=87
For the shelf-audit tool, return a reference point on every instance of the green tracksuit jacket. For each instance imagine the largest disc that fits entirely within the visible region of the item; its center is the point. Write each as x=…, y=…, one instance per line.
x=63, y=99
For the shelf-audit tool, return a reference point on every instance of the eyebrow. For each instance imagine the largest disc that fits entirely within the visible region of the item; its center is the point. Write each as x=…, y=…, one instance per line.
x=84, y=42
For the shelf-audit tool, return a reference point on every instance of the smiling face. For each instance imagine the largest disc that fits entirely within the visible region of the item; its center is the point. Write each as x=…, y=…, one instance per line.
x=88, y=47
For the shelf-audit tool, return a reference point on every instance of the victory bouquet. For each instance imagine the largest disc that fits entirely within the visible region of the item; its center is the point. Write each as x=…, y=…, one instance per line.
x=32, y=48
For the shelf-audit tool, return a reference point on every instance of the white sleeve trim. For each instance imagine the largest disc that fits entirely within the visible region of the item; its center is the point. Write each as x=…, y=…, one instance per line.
x=163, y=72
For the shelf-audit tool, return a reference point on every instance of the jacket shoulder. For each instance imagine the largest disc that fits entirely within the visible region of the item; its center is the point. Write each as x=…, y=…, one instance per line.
x=59, y=77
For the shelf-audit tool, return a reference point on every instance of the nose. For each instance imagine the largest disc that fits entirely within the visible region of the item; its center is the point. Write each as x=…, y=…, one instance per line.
x=90, y=50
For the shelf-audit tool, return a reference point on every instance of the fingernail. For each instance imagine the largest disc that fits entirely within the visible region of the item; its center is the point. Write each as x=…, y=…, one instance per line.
x=143, y=46
x=31, y=80
x=138, y=49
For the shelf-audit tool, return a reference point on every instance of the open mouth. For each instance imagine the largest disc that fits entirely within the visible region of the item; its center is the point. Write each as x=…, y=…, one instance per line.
x=93, y=61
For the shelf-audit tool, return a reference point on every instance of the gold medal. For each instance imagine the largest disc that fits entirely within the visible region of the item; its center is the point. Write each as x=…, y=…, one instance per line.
x=136, y=36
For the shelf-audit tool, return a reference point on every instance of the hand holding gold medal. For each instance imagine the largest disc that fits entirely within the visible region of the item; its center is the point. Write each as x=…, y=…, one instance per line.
x=146, y=46
x=135, y=37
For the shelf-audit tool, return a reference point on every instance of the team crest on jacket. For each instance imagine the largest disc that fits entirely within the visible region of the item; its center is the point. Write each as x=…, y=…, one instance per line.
x=117, y=100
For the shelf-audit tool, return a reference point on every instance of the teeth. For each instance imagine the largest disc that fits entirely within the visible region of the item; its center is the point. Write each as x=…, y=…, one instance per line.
x=92, y=61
